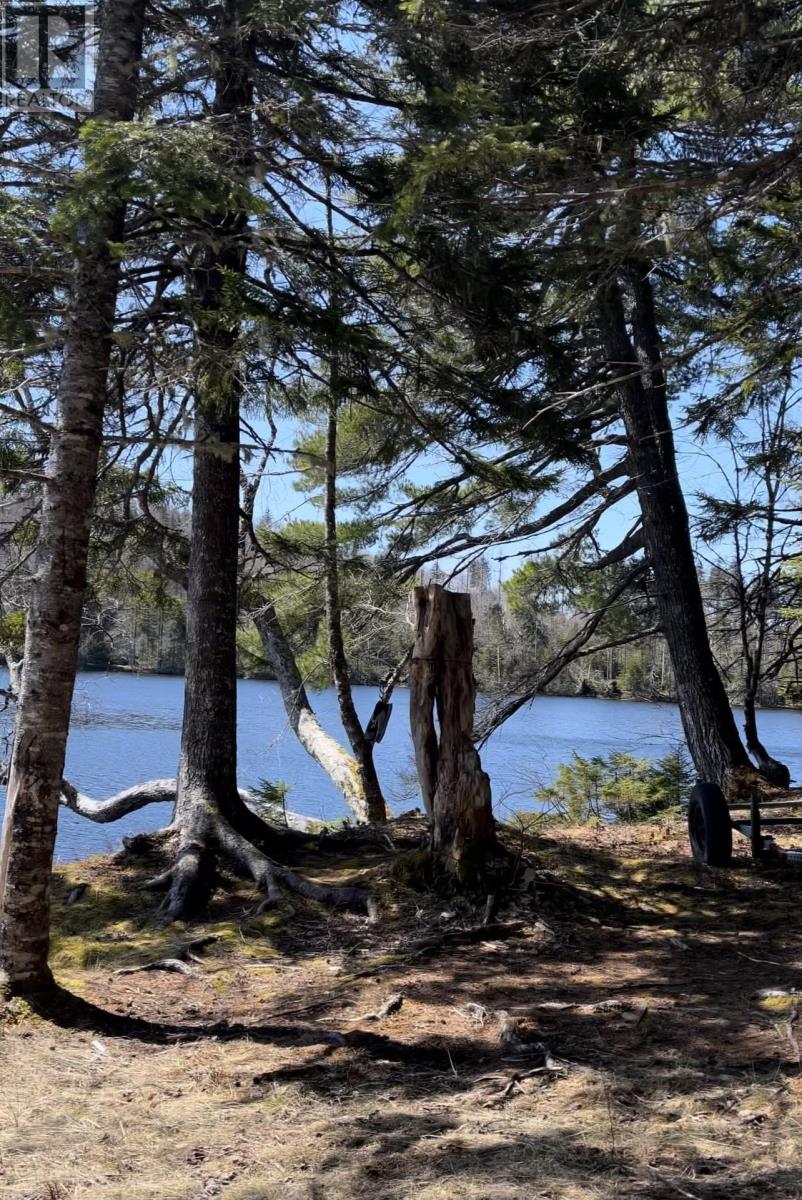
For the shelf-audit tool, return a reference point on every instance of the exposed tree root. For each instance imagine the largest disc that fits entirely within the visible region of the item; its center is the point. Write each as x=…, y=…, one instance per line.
x=159, y=883
x=147, y=844
x=431, y=944
x=272, y=876
x=191, y=877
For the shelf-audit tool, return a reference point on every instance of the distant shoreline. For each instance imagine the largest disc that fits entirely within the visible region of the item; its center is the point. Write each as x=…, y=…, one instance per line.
x=265, y=677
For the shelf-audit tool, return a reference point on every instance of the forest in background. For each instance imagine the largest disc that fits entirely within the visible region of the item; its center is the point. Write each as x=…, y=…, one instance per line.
x=141, y=627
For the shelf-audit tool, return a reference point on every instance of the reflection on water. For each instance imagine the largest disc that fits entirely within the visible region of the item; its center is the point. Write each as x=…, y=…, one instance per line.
x=127, y=728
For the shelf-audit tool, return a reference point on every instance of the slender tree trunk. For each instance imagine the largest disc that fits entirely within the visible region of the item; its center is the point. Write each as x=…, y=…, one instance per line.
x=455, y=789
x=339, y=765
x=375, y=807
x=709, y=725
x=207, y=772
x=775, y=771
x=54, y=613
x=211, y=820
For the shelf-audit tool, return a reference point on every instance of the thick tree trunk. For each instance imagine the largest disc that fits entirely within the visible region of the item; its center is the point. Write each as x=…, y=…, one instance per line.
x=207, y=772
x=54, y=613
x=707, y=719
x=455, y=789
x=327, y=752
x=375, y=807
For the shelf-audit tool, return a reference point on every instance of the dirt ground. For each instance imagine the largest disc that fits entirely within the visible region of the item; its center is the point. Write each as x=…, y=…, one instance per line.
x=605, y=1037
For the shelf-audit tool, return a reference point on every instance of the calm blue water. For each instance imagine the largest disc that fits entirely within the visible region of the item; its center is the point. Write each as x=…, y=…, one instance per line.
x=127, y=728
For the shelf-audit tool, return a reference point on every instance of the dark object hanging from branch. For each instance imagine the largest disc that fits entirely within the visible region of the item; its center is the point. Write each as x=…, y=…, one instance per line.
x=377, y=725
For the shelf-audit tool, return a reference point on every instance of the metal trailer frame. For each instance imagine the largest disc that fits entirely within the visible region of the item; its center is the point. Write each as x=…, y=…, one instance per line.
x=711, y=820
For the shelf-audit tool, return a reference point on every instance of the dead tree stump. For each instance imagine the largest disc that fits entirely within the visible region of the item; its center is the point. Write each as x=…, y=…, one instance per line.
x=455, y=789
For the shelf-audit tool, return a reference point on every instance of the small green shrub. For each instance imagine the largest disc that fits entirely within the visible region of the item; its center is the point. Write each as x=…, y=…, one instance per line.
x=618, y=787
x=270, y=800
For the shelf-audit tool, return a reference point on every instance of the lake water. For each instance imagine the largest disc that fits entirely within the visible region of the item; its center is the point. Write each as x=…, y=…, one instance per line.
x=127, y=728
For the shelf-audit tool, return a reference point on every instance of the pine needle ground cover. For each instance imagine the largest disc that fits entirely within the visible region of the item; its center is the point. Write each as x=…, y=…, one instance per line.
x=627, y=1027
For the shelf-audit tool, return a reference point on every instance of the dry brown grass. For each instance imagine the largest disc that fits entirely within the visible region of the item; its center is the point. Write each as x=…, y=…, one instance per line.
x=685, y=1084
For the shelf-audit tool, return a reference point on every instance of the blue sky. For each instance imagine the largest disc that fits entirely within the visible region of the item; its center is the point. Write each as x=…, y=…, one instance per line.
x=700, y=468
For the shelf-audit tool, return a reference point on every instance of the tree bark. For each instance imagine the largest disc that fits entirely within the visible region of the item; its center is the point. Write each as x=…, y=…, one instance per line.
x=636, y=363
x=455, y=789
x=54, y=612
x=207, y=772
x=327, y=752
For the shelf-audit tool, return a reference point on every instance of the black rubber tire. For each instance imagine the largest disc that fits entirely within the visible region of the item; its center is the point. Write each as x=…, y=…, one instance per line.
x=709, y=826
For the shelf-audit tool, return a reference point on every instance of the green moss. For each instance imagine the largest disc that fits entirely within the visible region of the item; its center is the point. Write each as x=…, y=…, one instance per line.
x=222, y=983
x=779, y=1003
x=109, y=923
x=17, y=1011
x=114, y=924
x=413, y=869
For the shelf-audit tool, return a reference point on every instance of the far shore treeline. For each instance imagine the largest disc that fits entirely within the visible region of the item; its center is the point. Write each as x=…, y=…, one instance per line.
x=517, y=624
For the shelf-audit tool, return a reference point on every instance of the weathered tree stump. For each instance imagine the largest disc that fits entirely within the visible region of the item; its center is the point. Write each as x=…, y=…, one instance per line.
x=455, y=789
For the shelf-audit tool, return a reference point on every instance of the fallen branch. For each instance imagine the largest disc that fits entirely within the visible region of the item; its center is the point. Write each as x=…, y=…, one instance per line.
x=475, y=933
x=516, y=1078
x=475, y=1012
x=675, y=1186
x=163, y=964
x=391, y=1005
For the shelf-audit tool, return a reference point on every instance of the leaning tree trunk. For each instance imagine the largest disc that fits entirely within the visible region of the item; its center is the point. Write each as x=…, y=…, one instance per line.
x=339, y=765
x=54, y=612
x=707, y=719
x=455, y=789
